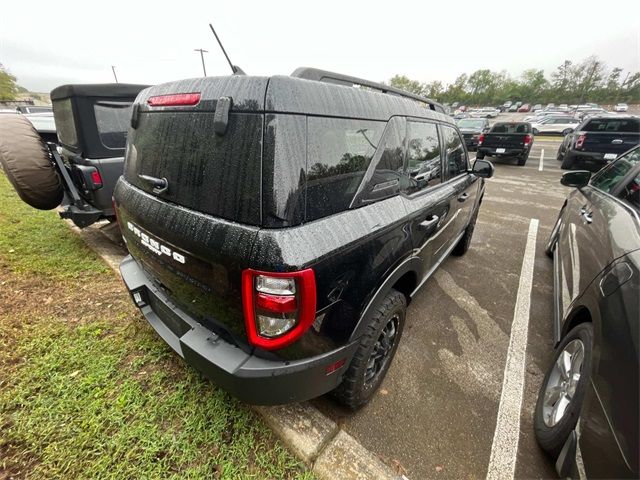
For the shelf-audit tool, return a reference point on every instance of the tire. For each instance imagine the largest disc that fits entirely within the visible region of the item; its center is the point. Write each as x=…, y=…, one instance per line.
x=26, y=163
x=355, y=391
x=479, y=155
x=552, y=436
x=523, y=159
x=567, y=162
x=560, y=155
x=464, y=243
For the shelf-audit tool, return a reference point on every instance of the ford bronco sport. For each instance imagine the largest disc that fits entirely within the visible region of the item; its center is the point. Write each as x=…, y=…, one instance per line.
x=279, y=226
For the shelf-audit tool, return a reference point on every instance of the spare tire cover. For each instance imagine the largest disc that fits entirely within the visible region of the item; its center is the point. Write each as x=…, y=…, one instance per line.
x=25, y=160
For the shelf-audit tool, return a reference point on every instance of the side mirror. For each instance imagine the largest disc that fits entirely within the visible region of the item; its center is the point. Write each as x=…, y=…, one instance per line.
x=577, y=178
x=482, y=168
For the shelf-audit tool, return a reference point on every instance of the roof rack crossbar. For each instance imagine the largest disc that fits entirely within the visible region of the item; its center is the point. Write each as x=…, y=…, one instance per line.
x=319, y=75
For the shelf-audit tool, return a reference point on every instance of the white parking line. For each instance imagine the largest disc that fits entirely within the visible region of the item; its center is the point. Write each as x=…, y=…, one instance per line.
x=541, y=166
x=504, y=449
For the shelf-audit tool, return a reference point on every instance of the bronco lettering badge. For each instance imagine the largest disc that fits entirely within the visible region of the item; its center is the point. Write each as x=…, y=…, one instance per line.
x=155, y=246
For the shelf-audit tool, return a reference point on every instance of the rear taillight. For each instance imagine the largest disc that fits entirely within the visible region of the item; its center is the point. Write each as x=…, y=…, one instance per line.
x=527, y=139
x=278, y=307
x=481, y=139
x=580, y=141
x=96, y=179
x=174, y=100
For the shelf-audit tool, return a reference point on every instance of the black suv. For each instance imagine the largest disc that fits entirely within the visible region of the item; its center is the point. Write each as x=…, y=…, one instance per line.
x=278, y=226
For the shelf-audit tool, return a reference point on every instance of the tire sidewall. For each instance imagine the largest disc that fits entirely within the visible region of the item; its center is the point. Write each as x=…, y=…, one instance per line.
x=552, y=439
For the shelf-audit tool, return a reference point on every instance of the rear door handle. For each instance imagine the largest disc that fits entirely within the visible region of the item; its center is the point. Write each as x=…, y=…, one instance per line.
x=463, y=197
x=429, y=222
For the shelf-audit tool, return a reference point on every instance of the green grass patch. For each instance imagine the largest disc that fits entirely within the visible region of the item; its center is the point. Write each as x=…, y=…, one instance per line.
x=36, y=241
x=88, y=390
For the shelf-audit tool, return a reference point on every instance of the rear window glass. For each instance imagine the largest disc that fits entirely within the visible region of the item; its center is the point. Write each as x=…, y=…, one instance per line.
x=65, y=123
x=608, y=178
x=511, y=128
x=112, y=120
x=338, y=154
x=628, y=125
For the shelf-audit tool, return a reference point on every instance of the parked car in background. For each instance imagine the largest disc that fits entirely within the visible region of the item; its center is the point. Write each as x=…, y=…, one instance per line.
x=45, y=125
x=554, y=124
x=34, y=109
x=583, y=111
x=621, y=107
x=507, y=105
x=563, y=106
x=537, y=107
x=524, y=108
x=471, y=129
x=460, y=115
x=592, y=385
x=454, y=105
x=243, y=268
x=490, y=112
x=550, y=105
x=599, y=140
x=513, y=108
x=507, y=139
x=80, y=173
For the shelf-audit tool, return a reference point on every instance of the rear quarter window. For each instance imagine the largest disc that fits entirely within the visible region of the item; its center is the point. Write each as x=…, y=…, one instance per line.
x=338, y=154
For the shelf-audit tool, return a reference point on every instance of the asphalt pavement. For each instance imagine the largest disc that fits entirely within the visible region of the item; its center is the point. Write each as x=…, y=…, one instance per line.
x=436, y=414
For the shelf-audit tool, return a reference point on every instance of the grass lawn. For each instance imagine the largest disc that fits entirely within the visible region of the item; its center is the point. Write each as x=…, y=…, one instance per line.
x=87, y=389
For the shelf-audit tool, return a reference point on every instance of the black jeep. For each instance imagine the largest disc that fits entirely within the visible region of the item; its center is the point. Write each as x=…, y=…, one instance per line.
x=279, y=226
x=78, y=168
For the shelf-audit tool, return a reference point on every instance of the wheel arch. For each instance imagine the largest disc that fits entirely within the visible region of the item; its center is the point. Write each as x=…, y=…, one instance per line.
x=580, y=315
x=403, y=278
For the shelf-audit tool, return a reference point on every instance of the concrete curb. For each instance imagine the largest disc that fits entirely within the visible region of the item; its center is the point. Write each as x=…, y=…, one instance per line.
x=314, y=438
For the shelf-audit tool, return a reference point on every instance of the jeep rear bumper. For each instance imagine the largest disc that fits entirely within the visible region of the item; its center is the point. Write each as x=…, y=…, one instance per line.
x=248, y=377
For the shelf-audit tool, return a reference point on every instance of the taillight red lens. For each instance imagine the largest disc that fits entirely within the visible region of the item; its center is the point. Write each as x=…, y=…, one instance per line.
x=580, y=141
x=527, y=139
x=96, y=178
x=278, y=307
x=481, y=139
x=174, y=100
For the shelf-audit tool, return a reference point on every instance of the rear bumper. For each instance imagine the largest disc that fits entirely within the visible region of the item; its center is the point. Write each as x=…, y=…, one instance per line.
x=250, y=378
x=508, y=152
x=596, y=157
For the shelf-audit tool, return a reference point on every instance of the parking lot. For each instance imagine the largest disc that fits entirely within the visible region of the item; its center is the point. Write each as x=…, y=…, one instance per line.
x=436, y=413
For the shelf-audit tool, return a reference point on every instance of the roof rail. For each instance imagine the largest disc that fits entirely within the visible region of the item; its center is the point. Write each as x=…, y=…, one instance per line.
x=318, y=75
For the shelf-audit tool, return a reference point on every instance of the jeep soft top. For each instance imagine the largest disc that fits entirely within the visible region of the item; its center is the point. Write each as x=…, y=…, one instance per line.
x=278, y=225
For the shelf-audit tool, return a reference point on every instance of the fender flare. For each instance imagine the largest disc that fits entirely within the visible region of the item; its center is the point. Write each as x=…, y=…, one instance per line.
x=410, y=264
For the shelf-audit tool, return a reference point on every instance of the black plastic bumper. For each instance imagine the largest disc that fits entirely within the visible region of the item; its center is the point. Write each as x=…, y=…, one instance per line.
x=250, y=378
x=508, y=152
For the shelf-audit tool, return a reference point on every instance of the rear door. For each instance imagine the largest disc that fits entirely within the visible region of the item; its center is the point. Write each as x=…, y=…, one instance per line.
x=426, y=198
x=597, y=228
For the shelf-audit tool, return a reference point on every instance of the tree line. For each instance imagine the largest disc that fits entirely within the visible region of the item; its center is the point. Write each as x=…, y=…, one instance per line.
x=572, y=82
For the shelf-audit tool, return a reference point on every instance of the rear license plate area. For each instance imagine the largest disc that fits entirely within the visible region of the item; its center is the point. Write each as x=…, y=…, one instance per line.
x=500, y=150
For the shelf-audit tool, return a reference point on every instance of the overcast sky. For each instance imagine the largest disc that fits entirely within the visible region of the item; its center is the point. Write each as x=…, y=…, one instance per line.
x=46, y=44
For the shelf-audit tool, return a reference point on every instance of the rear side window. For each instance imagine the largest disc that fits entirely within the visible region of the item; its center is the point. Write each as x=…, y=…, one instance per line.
x=631, y=193
x=424, y=163
x=338, y=154
x=456, y=158
x=626, y=125
x=607, y=179
x=112, y=120
x=65, y=123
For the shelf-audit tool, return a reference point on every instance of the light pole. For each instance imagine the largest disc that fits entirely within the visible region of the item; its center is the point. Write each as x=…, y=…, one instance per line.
x=113, y=69
x=202, y=52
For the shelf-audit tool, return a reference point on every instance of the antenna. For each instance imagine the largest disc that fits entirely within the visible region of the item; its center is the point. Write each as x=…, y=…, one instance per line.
x=234, y=68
